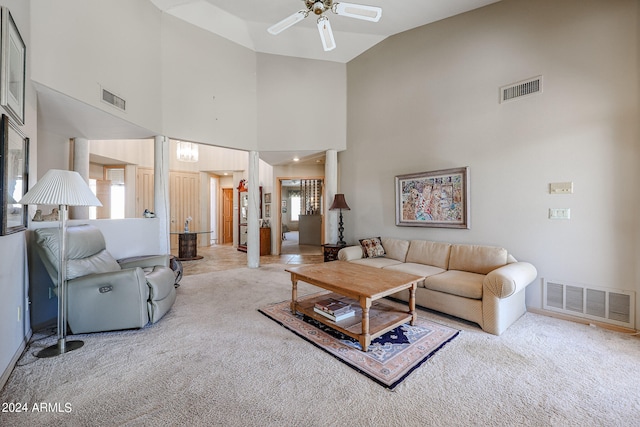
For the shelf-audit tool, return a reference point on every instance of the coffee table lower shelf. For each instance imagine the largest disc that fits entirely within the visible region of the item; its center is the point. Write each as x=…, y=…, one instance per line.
x=382, y=317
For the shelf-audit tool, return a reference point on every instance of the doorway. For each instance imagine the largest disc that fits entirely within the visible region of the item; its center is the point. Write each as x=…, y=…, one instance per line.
x=300, y=215
x=227, y=215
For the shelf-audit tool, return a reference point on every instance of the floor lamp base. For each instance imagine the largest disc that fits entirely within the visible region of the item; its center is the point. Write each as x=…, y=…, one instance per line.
x=56, y=349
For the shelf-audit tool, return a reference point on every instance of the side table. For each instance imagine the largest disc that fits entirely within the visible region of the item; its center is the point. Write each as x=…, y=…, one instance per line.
x=188, y=245
x=331, y=252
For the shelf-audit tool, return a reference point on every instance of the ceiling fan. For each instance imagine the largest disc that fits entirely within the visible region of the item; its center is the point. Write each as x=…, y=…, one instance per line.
x=319, y=7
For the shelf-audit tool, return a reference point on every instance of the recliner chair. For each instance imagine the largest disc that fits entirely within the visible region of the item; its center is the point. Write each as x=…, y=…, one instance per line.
x=103, y=294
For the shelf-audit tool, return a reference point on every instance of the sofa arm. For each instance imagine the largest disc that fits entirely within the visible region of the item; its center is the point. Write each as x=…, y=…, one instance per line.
x=161, y=281
x=509, y=279
x=350, y=253
x=144, y=261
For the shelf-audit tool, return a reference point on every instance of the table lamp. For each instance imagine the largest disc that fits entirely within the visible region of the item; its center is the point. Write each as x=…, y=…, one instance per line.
x=62, y=188
x=340, y=203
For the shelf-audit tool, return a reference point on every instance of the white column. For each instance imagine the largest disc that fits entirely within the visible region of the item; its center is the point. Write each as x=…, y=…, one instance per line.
x=331, y=188
x=161, y=191
x=80, y=165
x=130, y=192
x=253, y=226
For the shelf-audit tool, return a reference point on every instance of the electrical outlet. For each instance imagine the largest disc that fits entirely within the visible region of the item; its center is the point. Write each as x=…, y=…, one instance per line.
x=560, y=213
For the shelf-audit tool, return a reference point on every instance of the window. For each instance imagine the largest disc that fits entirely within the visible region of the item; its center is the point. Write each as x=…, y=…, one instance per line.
x=116, y=176
x=295, y=208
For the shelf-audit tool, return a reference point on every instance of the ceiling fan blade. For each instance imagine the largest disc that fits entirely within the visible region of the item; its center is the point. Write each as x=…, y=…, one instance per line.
x=358, y=11
x=288, y=22
x=326, y=35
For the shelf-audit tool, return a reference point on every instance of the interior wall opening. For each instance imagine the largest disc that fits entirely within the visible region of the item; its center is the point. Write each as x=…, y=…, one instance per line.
x=201, y=176
x=300, y=214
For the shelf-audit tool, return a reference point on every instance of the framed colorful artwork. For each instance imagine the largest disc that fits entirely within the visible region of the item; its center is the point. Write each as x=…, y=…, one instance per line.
x=433, y=199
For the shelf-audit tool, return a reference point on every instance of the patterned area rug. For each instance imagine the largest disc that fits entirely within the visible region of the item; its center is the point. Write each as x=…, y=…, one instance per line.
x=390, y=357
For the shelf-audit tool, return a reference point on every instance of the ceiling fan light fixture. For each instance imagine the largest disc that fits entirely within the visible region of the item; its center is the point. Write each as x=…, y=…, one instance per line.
x=318, y=8
x=358, y=11
x=326, y=34
x=288, y=22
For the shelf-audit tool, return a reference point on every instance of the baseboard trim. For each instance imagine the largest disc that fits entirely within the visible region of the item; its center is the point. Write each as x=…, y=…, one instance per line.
x=596, y=323
x=12, y=364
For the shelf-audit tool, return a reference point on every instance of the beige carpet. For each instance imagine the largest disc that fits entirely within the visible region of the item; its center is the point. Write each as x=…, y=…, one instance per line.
x=214, y=360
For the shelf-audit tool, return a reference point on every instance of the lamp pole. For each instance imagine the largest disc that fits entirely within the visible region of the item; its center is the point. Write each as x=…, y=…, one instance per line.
x=340, y=230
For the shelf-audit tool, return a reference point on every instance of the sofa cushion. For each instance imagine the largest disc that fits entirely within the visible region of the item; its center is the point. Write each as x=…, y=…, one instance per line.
x=85, y=247
x=431, y=253
x=477, y=259
x=455, y=282
x=379, y=262
x=102, y=262
x=395, y=248
x=372, y=247
x=423, y=270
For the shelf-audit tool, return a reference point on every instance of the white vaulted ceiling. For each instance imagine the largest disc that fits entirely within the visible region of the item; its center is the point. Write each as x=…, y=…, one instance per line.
x=246, y=21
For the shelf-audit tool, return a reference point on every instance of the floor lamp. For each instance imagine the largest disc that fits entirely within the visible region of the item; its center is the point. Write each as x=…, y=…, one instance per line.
x=62, y=188
x=340, y=203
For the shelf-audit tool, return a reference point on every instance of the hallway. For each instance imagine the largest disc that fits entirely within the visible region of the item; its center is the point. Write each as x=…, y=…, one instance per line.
x=290, y=245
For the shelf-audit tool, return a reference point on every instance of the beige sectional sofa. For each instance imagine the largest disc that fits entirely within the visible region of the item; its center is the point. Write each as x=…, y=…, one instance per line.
x=482, y=284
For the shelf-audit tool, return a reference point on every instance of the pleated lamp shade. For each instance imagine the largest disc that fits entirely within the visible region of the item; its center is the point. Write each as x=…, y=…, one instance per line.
x=61, y=187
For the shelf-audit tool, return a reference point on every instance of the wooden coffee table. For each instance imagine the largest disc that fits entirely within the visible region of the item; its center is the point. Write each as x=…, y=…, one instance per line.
x=361, y=286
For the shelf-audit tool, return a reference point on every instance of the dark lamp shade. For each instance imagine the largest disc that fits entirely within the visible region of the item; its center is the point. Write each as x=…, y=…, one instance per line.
x=339, y=203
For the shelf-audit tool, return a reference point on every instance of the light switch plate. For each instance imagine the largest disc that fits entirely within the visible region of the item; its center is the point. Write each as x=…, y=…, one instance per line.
x=560, y=213
x=561, y=188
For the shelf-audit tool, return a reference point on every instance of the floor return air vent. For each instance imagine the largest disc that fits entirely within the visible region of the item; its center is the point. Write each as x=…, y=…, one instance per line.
x=520, y=89
x=614, y=306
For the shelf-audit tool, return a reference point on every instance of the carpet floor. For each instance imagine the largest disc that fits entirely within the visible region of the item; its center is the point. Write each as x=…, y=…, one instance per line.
x=214, y=360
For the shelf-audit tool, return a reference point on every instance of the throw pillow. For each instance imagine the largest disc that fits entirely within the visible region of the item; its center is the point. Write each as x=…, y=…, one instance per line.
x=372, y=247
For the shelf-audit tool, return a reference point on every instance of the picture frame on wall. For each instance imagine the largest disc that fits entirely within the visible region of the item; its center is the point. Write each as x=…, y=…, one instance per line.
x=12, y=68
x=433, y=199
x=267, y=197
x=14, y=176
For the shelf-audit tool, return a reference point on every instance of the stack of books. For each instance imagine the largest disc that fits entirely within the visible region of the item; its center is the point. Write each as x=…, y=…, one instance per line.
x=334, y=309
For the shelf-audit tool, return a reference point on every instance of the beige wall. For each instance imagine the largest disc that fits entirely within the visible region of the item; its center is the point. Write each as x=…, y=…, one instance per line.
x=302, y=104
x=427, y=99
x=208, y=87
x=14, y=307
x=79, y=46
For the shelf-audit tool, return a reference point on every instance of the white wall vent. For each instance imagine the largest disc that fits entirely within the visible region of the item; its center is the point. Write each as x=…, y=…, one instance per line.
x=615, y=306
x=113, y=100
x=518, y=90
